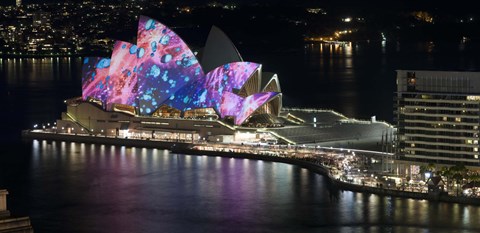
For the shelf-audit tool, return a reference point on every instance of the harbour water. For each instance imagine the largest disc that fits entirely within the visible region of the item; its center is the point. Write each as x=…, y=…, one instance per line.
x=71, y=187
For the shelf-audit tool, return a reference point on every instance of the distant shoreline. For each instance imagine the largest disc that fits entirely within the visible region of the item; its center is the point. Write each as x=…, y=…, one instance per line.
x=3, y=55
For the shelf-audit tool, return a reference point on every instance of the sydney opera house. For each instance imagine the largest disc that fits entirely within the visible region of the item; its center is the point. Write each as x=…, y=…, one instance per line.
x=158, y=87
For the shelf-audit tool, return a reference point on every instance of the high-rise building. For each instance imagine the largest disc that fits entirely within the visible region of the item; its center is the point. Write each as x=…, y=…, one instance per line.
x=18, y=2
x=438, y=117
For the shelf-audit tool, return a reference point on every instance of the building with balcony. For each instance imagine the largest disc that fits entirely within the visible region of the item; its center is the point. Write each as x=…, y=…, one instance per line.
x=438, y=116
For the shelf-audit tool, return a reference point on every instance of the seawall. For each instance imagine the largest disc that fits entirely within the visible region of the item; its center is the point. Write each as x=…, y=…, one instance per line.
x=319, y=169
x=130, y=142
x=185, y=148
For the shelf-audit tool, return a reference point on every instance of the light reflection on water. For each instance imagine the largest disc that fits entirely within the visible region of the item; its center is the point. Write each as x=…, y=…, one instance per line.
x=77, y=187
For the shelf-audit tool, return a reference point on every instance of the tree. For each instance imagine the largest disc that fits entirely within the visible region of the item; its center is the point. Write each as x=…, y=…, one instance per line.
x=447, y=173
x=430, y=168
x=475, y=178
x=459, y=172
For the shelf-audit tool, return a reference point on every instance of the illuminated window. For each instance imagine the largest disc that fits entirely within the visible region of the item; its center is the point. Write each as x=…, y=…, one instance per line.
x=458, y=119
x=473, y=97
x=411, y=81
x=424, y=96
x=415, y=169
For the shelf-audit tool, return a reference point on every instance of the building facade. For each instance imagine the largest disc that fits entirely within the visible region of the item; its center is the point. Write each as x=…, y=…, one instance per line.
x=438, y=114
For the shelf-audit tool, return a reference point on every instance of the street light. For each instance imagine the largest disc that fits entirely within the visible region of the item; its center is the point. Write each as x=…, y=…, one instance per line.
x=427, y=175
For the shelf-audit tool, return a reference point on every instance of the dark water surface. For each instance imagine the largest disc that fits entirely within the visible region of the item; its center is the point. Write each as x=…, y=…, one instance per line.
x=76, y=187
x=71, y=187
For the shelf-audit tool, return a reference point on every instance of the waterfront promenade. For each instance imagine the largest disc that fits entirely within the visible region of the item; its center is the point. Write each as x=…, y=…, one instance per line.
x=347, y=169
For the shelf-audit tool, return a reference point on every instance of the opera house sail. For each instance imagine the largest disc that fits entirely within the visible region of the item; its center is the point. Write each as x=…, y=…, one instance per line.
x=161, y=71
